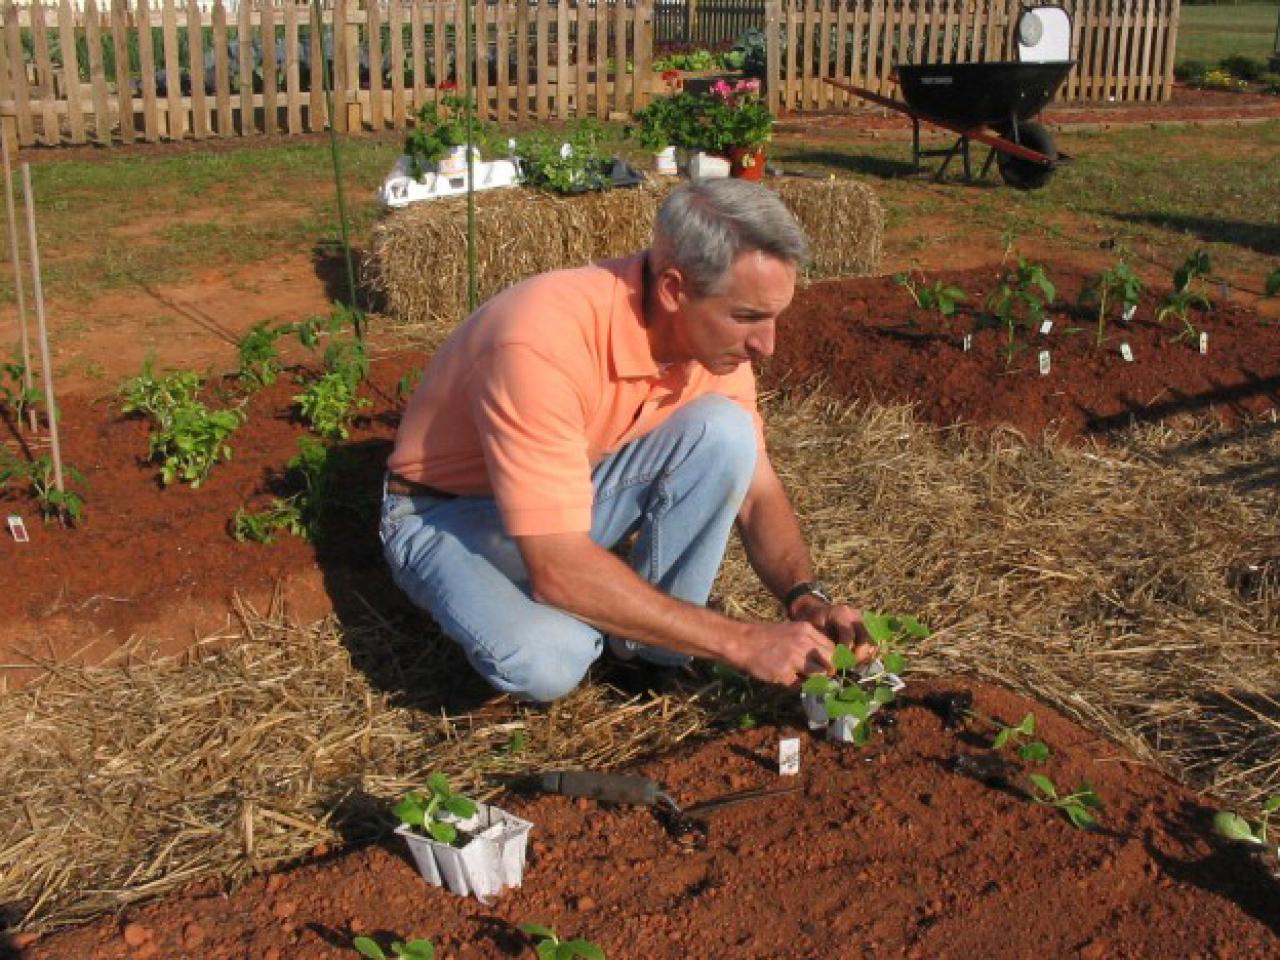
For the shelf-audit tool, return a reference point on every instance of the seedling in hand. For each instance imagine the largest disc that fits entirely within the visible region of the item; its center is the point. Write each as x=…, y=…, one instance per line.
x=1030, y=750
x=1075, y=805
x=413, y=950
x=549, y=946
x=1232, y=826
x=431, y=810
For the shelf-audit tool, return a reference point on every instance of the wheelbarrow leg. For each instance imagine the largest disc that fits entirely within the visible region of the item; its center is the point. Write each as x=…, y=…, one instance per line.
x=968, y=169
x=986, y=165
x=915, y=144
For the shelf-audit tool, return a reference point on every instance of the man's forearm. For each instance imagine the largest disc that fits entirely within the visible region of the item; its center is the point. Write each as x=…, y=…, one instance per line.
x=773, y=539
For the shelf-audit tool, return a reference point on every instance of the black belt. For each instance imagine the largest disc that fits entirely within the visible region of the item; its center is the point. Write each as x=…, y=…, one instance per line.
x=410, y=488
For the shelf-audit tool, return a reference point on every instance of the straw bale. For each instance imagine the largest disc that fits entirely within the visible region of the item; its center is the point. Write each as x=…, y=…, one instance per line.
x=417, y=259
x=1134, y=587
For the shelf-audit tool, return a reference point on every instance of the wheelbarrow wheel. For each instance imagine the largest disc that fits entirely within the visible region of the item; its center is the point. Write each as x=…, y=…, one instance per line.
x=1027, y=174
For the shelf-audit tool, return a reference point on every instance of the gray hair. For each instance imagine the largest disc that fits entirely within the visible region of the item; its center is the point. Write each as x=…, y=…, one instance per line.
x=704, y=226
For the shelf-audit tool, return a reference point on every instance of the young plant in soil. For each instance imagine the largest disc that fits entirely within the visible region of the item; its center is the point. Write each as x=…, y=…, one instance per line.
x=432, y=809
x=1117, y=284
x=259, y=358
x=548, y=946
x=1232, y=826
x=314, y=469
x=330, y=404
x=13, y=391
x=1186, y=294
x=65, y=506
x=1075, y=805
x=1032, y=751
x=1020, y=297
x=568, y=161
x=413, y=950
x=940, y=297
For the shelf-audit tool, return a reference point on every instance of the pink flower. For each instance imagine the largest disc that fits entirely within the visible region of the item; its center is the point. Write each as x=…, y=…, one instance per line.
x=747, y=86
x=449, y=85
x=722, y=89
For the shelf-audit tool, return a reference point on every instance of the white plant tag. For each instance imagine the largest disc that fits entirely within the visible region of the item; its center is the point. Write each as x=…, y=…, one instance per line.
x=1126, y=351
x=566, y=150
x=894, y=681
x=966, y=342
x=1046, y=328
x=1044, y=363
x=1129, y=311
x=789, y=757
x=18, y=529
x=1204, y=342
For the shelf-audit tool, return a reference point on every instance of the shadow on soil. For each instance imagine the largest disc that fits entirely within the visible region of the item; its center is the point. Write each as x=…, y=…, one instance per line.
x=884, y=167
x=1229, y=871
x=1259, y=237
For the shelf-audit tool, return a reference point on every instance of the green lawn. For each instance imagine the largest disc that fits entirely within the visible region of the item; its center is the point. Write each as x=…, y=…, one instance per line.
x=1210, y=33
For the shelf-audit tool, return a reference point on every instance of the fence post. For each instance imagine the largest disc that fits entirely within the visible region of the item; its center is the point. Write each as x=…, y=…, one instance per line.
x=772, y=60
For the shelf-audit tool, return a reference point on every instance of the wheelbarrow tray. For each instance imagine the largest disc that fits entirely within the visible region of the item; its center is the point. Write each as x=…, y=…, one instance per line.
x=981, y=94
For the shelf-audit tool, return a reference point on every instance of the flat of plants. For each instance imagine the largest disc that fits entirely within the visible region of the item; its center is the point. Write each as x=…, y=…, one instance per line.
x=915, y=845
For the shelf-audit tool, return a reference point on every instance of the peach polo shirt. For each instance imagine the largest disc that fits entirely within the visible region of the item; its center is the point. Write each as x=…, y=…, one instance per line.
x=538, y=386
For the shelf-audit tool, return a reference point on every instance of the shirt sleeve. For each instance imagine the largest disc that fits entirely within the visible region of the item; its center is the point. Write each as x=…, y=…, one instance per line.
x=531, y=418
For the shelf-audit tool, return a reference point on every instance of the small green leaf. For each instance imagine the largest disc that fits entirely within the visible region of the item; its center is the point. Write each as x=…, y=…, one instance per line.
x=438, y=784
x=419, y=950
x=747, y=721
x=1028, y=725
x=1002, y=738
x=368, y=948
x=852, y=694
x=1080, y=817
x=877, y=628
x=1044, y=785
x=882, y=695
x=861, y=734
x=895, y=663
x=1034, y=752
x=546, y=950
x=1272, y=804
x=460, y=806
x=442, y=832
x=518, y=742
x=410, y=810
x=537, y=930
x=579, y=948
x=817, y=685
x=1233, y=827
x=914, y=628
x=843, y=658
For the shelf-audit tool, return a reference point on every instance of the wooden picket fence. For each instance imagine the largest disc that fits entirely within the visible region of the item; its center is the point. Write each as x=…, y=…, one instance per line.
x=1124, y=49
x=69, y=76
x=102, y=75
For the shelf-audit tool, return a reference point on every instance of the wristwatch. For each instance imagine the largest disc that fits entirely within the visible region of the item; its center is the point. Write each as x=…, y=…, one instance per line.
x=813, y=588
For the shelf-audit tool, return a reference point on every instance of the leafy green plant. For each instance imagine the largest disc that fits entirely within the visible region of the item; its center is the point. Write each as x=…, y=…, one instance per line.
x=66, y=505
x=330, y=403
x=431, y=809
x=1116, y=284
x=1023, y=292
x=259, y=358
x=890, y=632
x=548, y=945
x=14, y=393
x=1235, y=827
x=440, y=128
x=571, y=161
x=1076, y=805
x=939, y=296
x=261, y=527
x=313, y=470
x=413, y=950
x=158, y=397
x=1186, y=294
x=1033, y=751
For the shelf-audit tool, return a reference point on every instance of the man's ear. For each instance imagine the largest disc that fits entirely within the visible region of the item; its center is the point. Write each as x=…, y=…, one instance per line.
x=671, y=289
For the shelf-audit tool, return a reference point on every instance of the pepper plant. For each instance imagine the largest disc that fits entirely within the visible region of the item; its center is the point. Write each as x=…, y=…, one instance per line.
x=1117, y=284
x=330, y=403
x=939, y=296
x=1076, y=805
x=66, y=505
x=431, y=809
x=259, y=358
x=14, y=392
x=548, y=946
x=1186, y=294
x=1020, y=298
x=1034, y=751
x=413, y=950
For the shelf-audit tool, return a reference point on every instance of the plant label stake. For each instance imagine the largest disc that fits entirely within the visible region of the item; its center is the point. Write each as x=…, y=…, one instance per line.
x=27, y=382
x=1204, y=342
x=789, y=757
x=1046, y=328
x=1126, y=351
x=966, y=342
x=46, y=365
x=1129, y=311
x=1044, y=363
x=19, y=531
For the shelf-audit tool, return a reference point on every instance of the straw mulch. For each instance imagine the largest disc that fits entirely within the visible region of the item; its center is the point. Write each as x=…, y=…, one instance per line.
x=1136, y=588
x=417, y=261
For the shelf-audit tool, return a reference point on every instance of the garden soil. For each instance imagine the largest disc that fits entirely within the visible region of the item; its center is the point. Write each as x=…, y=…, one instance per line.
x=885, y=851
x=154, y=568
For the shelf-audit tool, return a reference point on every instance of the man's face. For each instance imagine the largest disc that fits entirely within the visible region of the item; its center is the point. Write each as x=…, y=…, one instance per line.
x=728, y=329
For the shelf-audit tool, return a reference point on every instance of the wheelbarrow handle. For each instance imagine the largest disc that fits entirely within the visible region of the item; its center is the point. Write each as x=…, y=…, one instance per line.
x=602, y=787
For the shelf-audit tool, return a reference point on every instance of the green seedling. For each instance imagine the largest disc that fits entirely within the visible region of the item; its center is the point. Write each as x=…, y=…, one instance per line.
x=890, y=632
x=1232, y=826
x=66, y=505
x=259, y=358
x=330, y=404
x=548, y=946
x=158, y=397
x=567, y=161
x=939, y=296
x=1076, y=805
x=314, y=471
x=1020, y=299
x=1186, y=294
x=14, y=393
x=1117, y=284
x=282, y=516
x=1271, y=286
x=431, y=809
x=1033, y=751
x=407, y=384
x=413, y=950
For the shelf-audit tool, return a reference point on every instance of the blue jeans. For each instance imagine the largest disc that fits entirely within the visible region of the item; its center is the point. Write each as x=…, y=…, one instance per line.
x=678, y=489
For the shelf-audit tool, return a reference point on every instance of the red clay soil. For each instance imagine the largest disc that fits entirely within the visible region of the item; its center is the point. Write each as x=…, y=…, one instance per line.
x=887, y=851
x=159, y=562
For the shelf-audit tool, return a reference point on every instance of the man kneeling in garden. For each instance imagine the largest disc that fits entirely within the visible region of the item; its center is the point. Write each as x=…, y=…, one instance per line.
x=582, y=407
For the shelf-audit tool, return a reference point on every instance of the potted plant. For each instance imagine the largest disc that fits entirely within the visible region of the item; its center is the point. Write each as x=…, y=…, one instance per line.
x=438, y=144
x=656, y=130
x=740, y=126
x=472, y=848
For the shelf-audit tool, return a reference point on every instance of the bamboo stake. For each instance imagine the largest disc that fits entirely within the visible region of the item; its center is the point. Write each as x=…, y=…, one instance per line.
x=45, y=363
x=27, y=383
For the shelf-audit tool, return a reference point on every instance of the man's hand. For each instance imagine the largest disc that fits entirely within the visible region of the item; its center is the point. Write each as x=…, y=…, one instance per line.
x=784, y=653
x=839, y=621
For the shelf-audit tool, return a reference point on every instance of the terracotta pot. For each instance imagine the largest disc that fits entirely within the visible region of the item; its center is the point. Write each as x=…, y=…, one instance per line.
x=746, y=164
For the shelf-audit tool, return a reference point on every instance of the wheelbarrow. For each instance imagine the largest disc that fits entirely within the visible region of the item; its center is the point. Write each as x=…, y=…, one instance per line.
x=991, y=103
